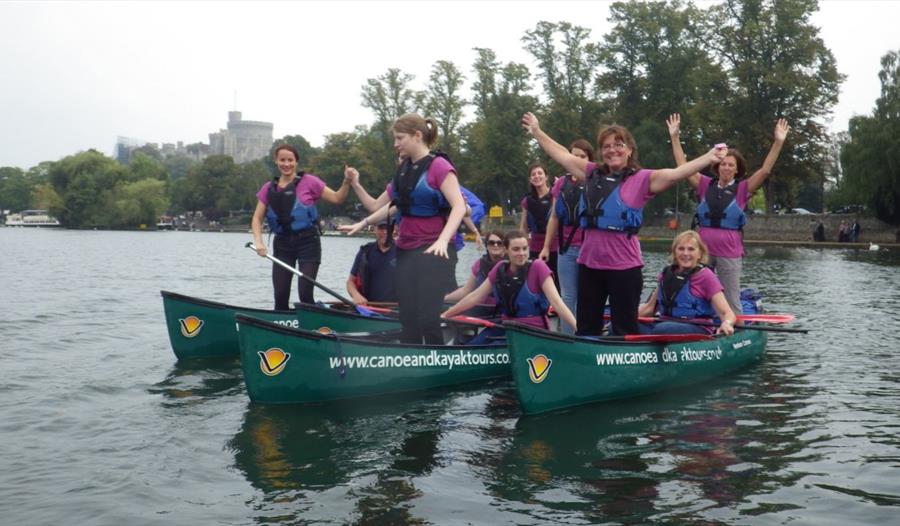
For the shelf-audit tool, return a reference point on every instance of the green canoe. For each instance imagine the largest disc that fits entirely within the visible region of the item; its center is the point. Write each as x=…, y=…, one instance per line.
x=205, y=329
x=335, y=318
x=553, y=371
x=283, y=365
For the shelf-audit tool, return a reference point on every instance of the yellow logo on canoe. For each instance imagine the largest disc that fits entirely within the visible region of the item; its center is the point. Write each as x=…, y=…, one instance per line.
x=190, y=326
x=325, y=330
x=538, y=367
x=272, y=362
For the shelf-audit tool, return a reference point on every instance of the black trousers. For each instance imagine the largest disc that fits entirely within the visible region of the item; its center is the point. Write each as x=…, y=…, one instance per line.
x=621, y=287
x=303, y=251
x=420, y=292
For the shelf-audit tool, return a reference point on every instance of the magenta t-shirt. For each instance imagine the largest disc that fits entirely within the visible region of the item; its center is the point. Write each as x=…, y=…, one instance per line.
x=309, y=190
x=704, y=284
x=556, y=191
x=723, y=242
x=610, y=250
x=538, y=272
x=536, y=239
x=415, y=232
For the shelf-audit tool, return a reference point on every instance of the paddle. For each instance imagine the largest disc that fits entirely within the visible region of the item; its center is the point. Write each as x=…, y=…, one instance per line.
x=365, y=311
x=737, y=327
x=470, y=320
x=759, y=318
x=649, y=338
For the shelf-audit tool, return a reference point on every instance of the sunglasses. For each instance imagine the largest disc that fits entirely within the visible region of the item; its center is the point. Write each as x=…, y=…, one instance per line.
x=494, y=243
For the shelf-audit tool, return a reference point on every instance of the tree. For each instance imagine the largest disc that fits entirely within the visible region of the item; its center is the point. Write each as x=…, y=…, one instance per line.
x=15, y=189
x=443, y=102
x=871, y=157
x=84, y=183
x=389, y=97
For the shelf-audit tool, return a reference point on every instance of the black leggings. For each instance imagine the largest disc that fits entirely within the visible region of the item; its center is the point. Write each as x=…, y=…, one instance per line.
x=302, y=252
x=622, y=287
x=420, y=293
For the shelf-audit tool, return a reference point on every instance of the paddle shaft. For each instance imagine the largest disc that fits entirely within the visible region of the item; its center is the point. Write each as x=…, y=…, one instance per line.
x=737, y=327
x=302, y=275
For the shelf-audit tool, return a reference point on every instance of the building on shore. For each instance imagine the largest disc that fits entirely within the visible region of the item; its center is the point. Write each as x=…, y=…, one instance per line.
x=243, y=140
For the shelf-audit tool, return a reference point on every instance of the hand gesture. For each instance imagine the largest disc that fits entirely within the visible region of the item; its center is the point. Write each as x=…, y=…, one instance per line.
x=530, y=123
x=351, y=175
x=674, y=124
x=781, y=130
x=352, y=229
x=438, y=248
x=545, y=254
x=717, y=153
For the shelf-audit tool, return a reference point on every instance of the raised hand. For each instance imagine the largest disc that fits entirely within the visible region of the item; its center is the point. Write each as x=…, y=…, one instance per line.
x=781, y=130
x=674, y=124
x=717, y=153
x=530, y=123
x=351, y=175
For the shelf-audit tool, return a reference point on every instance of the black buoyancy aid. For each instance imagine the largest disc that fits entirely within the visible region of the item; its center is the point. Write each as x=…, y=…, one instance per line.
x=719, y=209
x=509, y=292
x=485, y=264
x=363, y=269
x=285, y=214
x=596, y=212
x=675, y=298
x=567, y=202
x=538, y=212
x=406, y=183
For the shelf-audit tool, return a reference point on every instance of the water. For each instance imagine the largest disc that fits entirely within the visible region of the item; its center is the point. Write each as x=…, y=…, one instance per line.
x=99, y=425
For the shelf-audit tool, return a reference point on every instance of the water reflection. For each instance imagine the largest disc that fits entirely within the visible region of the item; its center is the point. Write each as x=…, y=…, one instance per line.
x=196, y=380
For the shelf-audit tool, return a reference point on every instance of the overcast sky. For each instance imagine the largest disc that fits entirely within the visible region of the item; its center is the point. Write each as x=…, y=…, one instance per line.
x=76, y=75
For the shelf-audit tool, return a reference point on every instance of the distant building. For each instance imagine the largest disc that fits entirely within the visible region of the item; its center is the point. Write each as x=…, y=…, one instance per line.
x=243, y=140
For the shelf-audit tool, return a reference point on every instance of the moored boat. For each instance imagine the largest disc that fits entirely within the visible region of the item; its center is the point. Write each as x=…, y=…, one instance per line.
x=201, y=328
x=284, y=365
x=553, y=371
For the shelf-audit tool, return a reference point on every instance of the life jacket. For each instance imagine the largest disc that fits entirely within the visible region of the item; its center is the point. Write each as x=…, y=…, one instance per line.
x=362, y=271
x=719, y=209
x=485, y=264
x=567, y=211
x=675, y=298
x=513, y=296
x=601, y=203
x=412, y=195
x=285, y=214
x=538, y=212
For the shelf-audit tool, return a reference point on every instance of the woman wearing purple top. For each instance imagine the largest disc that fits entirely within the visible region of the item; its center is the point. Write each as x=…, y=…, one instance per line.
x=288, y=205
x=536, y=209
x=616, y=191
x=723, y=199
x=688, y=289
x=426, y=193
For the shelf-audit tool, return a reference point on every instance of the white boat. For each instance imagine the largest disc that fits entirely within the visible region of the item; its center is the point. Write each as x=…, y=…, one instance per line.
x=31, y=218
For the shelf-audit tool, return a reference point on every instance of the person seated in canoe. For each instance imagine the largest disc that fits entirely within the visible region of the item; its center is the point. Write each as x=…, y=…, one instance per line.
x=496, y=252
x=688, y=289
x=374, y=269
x=523, y=289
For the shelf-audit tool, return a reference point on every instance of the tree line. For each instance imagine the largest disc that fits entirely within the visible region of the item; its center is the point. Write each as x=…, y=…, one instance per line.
x=731, y=70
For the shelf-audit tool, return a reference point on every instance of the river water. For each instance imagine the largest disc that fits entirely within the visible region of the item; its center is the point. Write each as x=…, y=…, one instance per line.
x=100, y=425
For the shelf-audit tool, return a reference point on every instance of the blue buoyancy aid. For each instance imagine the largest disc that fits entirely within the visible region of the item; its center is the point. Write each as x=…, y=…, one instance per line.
x=513, y=296
x=412, y=195
x=538, y=210
x=567, y=202
x=285, y=214
x=601, y=204
x=675, y=299
x=719, y=208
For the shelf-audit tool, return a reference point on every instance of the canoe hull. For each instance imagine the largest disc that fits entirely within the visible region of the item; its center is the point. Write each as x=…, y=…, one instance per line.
x=553, y=371
x=317, y=317
x=205, y=329
x=283, y=365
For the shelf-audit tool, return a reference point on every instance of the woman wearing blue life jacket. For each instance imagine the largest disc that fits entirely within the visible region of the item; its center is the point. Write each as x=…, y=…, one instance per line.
x=425, y=192
x=536, y=208
x=523, y=289
x=610, y=213
x=496, y=252
x=723, y=199
x=688, y=289
x=288, y=204
x=563, y=230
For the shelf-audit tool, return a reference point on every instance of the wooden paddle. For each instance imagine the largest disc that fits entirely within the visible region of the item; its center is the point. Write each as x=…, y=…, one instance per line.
x=365, y=311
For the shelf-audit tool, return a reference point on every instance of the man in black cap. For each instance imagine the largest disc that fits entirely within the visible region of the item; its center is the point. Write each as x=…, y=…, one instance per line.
x=373, y=273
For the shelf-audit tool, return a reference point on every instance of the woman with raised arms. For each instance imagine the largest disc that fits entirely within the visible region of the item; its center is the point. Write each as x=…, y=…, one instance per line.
x=610, y=212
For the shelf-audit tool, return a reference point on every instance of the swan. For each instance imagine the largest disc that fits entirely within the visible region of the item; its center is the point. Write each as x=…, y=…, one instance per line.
x=873, y=247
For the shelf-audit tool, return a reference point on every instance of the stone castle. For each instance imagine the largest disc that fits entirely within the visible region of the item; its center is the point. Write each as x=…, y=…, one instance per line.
x=242, y=140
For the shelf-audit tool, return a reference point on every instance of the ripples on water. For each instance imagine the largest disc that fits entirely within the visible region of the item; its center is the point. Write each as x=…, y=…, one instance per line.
x=101, y=426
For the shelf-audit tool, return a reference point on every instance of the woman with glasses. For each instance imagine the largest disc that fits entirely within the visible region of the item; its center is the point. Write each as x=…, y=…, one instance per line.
x=610, y=212
x=495, y=252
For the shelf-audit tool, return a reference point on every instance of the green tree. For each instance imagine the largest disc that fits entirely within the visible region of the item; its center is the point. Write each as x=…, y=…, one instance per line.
x=84, y=183
x=15, y=189
x=137, y=203
x=444, y=103
x=142, y=166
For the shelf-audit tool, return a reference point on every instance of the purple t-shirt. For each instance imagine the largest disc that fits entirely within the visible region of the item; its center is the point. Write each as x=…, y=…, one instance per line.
x=476, y=268
x=704, y=284
x=610, y=250
x=567, y=230
x=723, y=242
x=538, y=272
x=536, y=239
x=309, y=190
x=415, y=232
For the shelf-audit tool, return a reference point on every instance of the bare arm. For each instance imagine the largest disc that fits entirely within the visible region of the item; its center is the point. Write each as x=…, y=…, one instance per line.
x=354, y=292
x=370, y=203
x=461, y=292
x=759, y=177
x=339, y=196
x=552, y=227
x=467, y=220
x=523, y=221
x=674, y=125
x=649, y=308
x=549, y=289
x=256, y=226
x=450, y=189
x=472, y=299
x=557, y=152
x=661, y=180
x=381, y=214
x=720, y=304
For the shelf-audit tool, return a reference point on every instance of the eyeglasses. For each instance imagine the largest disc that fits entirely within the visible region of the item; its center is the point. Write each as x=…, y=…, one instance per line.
x=494, y=243
x=616, y=146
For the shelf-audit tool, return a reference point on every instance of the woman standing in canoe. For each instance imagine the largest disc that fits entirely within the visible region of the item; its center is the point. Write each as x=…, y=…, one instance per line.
x=688, y=289
x=523, y=289
x=563, y=230
x=426, y=193
x=536, y=209
x=288, y=204
x=723, y=199
x=610, y=211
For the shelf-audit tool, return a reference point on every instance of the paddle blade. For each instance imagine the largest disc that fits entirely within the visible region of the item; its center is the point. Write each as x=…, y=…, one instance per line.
x=473, y=321
x=370, y=311
x=768, y=318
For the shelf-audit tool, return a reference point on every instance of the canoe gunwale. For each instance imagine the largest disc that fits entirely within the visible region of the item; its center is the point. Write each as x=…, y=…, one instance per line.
x=215, y=304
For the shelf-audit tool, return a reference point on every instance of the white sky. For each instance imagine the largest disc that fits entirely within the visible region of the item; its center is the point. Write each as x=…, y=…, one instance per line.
x=75, y=75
